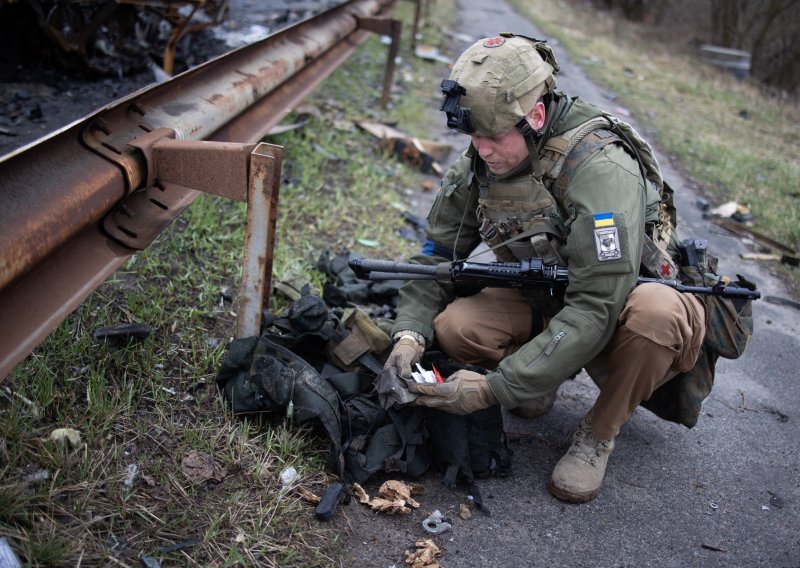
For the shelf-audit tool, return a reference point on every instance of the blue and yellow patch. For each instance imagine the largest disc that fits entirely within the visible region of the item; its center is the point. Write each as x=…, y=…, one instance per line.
x=603, y=220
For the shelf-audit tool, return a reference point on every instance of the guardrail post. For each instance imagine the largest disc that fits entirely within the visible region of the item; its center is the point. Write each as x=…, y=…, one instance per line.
x=259, y=244
x=391, y=28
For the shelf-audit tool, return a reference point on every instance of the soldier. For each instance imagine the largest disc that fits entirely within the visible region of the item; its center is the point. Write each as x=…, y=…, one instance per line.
x=554, y=177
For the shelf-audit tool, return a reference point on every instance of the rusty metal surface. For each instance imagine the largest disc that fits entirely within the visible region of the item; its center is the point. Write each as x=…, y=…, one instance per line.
x=259, y=243
x=54, y=193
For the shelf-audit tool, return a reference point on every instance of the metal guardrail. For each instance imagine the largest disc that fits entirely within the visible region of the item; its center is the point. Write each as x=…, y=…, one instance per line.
x=111, y=172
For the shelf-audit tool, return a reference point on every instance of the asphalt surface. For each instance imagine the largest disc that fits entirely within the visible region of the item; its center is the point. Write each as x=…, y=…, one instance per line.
x=724, y=493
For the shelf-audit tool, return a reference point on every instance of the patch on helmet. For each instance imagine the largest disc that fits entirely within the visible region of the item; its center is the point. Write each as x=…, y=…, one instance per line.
x=606, y=237
x=494, y=42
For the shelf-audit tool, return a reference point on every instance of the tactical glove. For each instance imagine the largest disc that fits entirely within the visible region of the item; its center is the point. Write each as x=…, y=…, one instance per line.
x=406, y=352
x=463, y=392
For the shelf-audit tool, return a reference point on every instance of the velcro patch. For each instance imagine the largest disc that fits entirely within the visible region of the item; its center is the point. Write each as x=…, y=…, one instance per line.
x=606, y=240
x=603, y=220
x=494, y=42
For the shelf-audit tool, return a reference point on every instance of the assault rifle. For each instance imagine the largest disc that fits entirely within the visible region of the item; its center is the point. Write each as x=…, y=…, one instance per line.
x=529, y=273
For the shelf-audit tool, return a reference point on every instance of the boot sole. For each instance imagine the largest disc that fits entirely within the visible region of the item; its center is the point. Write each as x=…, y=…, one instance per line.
x=569, y=496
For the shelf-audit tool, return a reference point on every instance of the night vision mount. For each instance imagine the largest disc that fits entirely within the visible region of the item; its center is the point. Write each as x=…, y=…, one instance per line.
x=457, y=118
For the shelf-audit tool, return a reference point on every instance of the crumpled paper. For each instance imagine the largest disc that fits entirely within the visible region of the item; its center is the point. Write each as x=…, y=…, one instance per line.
x=424, y=556
x=393, y=497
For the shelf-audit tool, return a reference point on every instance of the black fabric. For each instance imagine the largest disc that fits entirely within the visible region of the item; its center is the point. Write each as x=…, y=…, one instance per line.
x=287, y=364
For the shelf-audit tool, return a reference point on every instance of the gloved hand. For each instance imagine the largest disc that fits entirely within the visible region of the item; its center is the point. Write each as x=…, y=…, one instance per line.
x=405, y=354
x=463, y=392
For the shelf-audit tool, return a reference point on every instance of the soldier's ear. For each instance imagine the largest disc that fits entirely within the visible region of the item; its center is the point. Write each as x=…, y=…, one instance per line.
x=536, y=116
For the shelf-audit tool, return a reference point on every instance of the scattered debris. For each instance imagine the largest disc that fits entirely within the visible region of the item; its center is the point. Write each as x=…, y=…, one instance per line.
x=734, y=210
x=782, y=302
x=7, y=557
x=130, y=477
x=199, y=467
x=425, y=554
x=436, y=523
x=69, y=435
x=371, y=243
x=38, y=475
x=330, y=501
x=150, y=562
x=759, y=256
x=744, y=231
x=307, y=495
x=431, y=53
x=393, y=497
x=775, y=500
x=419, y=153
x=116, y=334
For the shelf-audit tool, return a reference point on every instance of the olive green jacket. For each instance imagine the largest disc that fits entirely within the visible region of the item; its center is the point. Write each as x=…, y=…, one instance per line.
x=608, y=182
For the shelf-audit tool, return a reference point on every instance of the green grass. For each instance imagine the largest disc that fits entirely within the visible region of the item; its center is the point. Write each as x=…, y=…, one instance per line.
x=152, y=402
x=733, y=139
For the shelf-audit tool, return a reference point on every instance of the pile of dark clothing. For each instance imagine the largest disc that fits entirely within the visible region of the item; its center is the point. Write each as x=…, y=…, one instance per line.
x=321, y=362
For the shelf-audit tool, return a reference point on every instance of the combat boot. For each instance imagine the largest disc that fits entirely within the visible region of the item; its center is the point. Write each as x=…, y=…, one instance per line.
x=536, y=407
x=578, y=475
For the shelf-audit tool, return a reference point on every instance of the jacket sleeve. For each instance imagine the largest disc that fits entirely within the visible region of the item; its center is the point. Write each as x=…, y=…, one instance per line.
x=452, y=229
x=603, y=252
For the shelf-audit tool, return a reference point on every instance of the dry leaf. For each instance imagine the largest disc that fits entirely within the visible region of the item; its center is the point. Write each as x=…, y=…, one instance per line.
x=424, y=556
x=307, y=495
x=199, y=467
x=464, y=512
x=360, y=494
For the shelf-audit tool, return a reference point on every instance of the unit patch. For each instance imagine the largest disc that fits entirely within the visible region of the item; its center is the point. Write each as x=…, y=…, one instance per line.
x=606, y=237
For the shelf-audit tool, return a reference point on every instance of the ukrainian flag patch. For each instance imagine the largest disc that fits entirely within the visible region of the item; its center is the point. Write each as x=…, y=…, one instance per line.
x=603, y=220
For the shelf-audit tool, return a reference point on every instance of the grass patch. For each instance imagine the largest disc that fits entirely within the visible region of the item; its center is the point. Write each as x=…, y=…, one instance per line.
x=735, y=141
x=145, y=406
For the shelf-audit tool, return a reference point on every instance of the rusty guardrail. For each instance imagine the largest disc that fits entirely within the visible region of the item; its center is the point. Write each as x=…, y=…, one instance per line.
x=61, y=196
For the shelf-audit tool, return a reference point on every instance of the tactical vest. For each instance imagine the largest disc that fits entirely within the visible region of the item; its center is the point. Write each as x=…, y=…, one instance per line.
x=521, y=216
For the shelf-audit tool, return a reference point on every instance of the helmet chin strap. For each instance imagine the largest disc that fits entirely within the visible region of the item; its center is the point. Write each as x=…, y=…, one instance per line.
x=534, y=139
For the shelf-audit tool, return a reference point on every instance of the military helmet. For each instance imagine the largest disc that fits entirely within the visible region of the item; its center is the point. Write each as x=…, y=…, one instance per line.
x=496, y=82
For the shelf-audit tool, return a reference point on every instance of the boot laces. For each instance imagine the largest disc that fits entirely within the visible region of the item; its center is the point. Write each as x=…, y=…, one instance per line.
x=586, y=447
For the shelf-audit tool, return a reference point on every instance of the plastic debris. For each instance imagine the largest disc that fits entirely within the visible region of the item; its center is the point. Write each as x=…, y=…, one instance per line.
x=8, y=559
x=289, y=478
x=118, y=333
x=436, y=523
x=130, y=477
x=464, y=512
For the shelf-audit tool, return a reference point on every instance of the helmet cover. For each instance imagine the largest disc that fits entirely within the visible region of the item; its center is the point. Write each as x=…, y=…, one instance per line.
x=502, y=77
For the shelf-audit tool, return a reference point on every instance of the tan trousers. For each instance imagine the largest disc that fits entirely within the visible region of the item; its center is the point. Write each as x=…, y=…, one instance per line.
x=658, y=335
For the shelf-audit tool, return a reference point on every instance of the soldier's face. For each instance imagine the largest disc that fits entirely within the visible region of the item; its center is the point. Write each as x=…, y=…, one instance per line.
x=505, y=151
x=502, y=152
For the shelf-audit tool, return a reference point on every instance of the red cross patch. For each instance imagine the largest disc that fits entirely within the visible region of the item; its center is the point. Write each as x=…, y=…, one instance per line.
x=494, y=42
x=665, y=270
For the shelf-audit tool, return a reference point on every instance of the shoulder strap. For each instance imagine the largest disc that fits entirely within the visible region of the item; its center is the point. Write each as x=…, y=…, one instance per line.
x=584, y=149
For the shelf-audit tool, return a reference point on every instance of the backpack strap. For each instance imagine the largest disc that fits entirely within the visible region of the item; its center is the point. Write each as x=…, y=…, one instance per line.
x=586, y=147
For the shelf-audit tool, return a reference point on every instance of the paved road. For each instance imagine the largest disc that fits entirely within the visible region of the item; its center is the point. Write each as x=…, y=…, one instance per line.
x=725, y=493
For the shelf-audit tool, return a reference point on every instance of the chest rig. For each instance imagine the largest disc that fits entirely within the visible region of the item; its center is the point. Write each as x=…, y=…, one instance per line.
x=522, y=215
x=525, y=214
